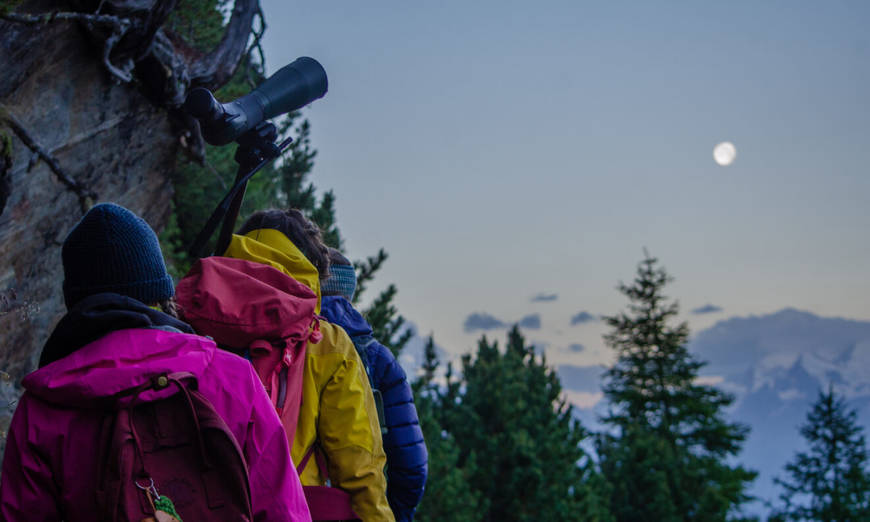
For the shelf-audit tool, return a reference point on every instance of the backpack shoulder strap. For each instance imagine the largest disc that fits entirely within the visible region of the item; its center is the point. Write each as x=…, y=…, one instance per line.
x=362, y=343
x=315, y=450
x=325, y=502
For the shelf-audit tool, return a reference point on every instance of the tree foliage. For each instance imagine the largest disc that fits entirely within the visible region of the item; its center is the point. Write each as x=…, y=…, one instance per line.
x=667, y=456
x=517, y=439
x=198, y=23
x=830, y=482
x=449, y=492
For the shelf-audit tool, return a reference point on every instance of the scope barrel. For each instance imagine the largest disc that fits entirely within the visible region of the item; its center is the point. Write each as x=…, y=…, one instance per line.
x=291, y=87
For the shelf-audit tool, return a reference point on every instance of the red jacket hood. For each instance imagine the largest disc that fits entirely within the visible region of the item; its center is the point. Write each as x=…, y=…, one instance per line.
x=120, y=360
x=237, y=302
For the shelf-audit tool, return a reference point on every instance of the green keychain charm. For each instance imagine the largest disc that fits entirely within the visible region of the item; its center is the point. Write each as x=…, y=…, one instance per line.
x=164, y=509
x=164, y=505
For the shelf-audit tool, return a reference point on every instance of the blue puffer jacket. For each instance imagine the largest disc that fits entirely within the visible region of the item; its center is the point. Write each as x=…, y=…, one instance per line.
x=403, y=442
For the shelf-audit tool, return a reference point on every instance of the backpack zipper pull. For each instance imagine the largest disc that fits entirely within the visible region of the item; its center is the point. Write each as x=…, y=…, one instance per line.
x=315, y=335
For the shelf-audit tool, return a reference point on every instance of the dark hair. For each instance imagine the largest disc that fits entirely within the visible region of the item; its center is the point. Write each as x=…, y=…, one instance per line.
x=169, y=306
x=337, y=258
x=300, y=230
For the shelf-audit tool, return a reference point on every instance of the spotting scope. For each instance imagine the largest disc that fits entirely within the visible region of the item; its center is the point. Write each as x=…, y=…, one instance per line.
x=292, y=87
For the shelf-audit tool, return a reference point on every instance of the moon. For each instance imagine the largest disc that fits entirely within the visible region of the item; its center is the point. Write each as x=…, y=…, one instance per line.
x=724, y=153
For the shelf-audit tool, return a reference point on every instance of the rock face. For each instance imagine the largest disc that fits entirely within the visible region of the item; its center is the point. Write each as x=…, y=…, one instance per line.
x=108, y=138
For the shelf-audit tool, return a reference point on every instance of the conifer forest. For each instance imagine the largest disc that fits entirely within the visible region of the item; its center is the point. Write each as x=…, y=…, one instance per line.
x=91, y=110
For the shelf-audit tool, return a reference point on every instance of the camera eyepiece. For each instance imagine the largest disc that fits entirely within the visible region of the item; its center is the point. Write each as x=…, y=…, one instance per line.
x=291, y=87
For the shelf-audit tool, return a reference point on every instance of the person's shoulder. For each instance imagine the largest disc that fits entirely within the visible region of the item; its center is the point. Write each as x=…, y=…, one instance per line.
x=29, y=401
x=335, y=341
x=383, y=359
x=226, y=362
x=378, y=349
x=44, y=420
x=387, y=371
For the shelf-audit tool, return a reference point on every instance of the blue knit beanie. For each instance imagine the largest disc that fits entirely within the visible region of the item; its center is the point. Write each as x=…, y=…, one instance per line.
x=113, y=250
x=342, y=276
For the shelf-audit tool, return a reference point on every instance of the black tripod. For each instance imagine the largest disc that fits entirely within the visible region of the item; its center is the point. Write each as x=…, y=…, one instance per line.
x=256, y=148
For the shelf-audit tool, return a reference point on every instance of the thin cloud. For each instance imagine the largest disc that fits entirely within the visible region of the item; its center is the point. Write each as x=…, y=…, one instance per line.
x=545, y=298
x=581, y=378
x=707, y=309
x=541, y=346
x=482, y=321
x=583, y=400
x=530, y=322
x=577, y=348
x=582, y=317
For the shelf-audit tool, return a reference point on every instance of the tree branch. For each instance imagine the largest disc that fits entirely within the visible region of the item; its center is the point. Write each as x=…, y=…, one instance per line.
x=176, y=70
x=218, y=66
x=85, y=195
x=118, y=27
x=45, y=18
x=256, y=46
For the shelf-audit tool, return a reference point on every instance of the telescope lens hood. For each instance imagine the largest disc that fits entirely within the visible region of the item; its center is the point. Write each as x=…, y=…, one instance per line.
x=292, y=86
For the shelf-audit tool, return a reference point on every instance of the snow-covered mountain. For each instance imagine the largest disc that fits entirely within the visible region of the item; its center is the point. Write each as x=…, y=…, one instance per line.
x=757, y=352
x=775, y=365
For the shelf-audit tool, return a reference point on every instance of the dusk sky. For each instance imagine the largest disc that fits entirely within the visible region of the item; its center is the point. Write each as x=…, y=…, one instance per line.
x=501, y=151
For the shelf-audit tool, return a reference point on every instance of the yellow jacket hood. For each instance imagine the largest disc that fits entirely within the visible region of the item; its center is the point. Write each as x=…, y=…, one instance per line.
x=271, y=247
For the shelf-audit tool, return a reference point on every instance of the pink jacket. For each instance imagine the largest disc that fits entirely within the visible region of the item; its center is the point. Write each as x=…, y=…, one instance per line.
x=49, y=469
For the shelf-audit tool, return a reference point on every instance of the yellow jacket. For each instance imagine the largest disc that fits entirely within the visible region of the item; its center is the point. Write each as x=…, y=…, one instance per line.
x=338, y=409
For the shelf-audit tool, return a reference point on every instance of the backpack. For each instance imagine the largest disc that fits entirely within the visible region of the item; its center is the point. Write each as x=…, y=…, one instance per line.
x=216, y=299
x=170, y=459
x=255, y=311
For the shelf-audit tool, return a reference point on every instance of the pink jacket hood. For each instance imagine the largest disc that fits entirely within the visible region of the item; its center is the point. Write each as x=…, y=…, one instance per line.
x=237, y=301
x=101, y=369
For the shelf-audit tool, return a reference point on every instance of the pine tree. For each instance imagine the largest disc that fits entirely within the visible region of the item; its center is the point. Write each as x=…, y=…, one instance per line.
x=830, y=482
x=387, y=325
x=292, y=188
x=430, y=364
x=449, y=491
x=667, y=456
x=386, y=322
x=508, y=416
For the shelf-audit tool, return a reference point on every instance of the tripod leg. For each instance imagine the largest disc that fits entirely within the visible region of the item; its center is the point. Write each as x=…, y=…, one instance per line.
x=226, y=234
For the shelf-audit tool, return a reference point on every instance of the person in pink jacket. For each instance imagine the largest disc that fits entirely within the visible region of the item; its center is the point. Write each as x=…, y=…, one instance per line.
x=116, y=336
